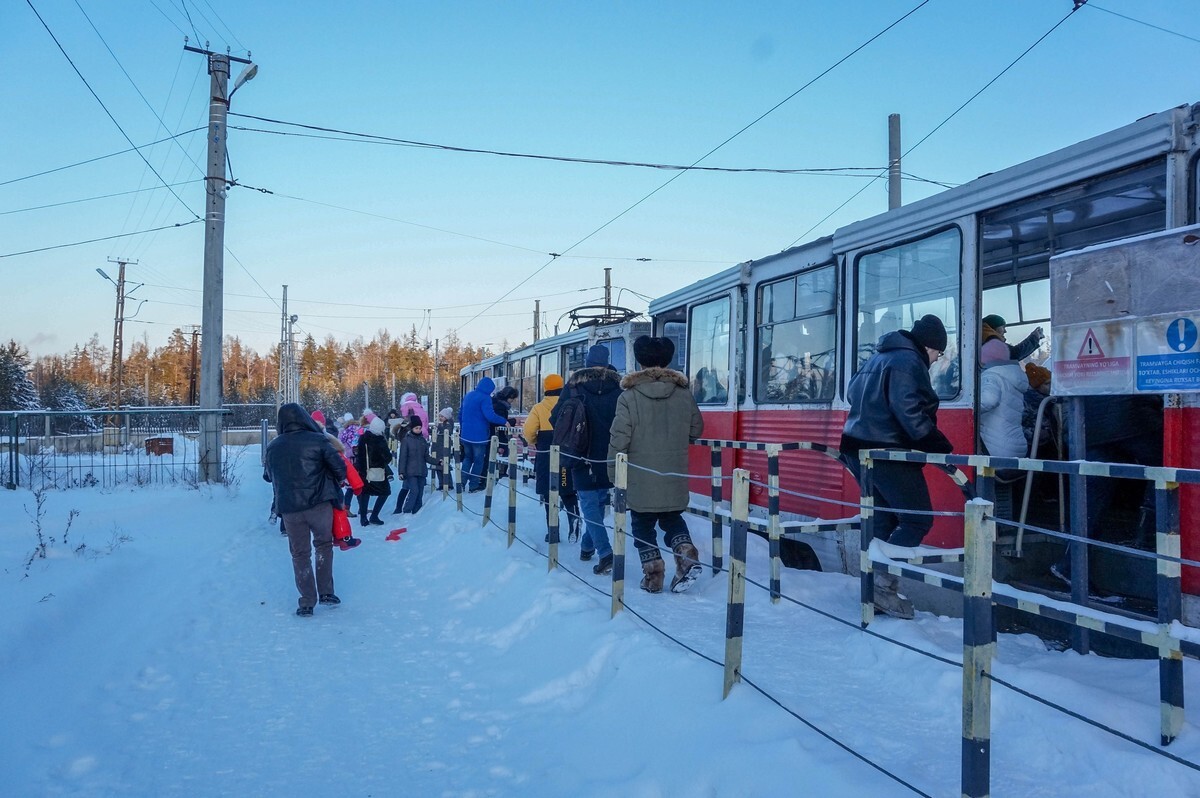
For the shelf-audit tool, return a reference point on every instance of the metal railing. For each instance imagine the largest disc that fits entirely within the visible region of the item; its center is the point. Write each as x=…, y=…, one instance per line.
x=41, y=449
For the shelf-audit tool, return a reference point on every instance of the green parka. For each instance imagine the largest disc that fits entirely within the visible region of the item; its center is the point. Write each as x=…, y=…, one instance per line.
x=657, y=418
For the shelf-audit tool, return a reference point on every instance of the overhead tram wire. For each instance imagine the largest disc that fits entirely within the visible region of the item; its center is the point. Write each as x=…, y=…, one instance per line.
x=105, y=107
x=102, y=238
x=1143, y=22
x=134, y=148
x=92, y=199
x=939, y=125
x=675, y=176
x=228, y=29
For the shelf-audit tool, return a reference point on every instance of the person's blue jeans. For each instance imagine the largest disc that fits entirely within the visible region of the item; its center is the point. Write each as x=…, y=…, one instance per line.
x=595, y=534
x=474, y=464
x=416, y=493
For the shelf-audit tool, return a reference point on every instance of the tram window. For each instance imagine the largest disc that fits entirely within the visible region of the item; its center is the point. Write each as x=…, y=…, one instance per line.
x=616, y=353
x=576, y=355
x=899, y=285
x=528, y=386
x=676, y=331
x=708, y=352
x=1017, y=240
x=547, y=365
x=797, y=339
x=1024, y=306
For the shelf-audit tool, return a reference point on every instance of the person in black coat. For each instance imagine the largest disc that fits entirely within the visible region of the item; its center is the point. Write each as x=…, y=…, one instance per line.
x=305, y=472
x=502, y=405
x=893, y=406
x=372, y=452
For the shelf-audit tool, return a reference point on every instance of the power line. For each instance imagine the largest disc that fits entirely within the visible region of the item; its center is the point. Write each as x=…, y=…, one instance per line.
x=135, y=148
x=99, y=197
x=370, y=138
x=105, y=107
x=939, y=126
x=710, y=152
x=103, y=238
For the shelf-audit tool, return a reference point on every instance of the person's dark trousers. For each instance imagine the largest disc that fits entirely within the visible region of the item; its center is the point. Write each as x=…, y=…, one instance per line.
x=444, y=481
x=899, y=487
x=400, y=497
x=347, y=497
x=363, y=498
x=474, y=464
x=674, y=529
x=305, y=530
x=414, y=488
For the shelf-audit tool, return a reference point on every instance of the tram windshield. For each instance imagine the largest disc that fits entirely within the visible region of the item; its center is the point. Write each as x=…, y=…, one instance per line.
x=899, y=285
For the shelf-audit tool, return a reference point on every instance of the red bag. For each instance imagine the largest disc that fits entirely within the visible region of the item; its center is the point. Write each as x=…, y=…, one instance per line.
x=352, y=477
x=341, y=524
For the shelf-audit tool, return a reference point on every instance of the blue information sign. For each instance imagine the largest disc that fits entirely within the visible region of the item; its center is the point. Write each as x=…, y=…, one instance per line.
x=1168, y=358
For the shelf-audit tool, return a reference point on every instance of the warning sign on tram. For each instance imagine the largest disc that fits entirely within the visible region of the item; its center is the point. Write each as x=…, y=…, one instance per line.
x=1096, y=358
x=1168, y=353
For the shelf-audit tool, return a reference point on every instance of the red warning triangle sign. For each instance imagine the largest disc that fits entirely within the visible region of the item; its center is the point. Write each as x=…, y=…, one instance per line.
x=1091, y=347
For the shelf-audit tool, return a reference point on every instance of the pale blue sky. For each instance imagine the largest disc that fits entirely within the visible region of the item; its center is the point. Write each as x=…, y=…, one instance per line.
x=657, y=82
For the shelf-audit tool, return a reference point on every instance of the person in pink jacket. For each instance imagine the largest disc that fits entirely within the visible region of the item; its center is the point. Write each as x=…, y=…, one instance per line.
x=410, y=406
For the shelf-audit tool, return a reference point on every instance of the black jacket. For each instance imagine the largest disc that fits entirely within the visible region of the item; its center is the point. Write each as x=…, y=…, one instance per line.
x=892, y=403
x=504, y=410
x=413, y=456
x=372, y=452
x=301, y=463
x=599, y=387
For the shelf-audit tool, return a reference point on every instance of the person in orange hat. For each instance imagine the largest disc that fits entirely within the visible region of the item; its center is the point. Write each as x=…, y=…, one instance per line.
x=539, y=434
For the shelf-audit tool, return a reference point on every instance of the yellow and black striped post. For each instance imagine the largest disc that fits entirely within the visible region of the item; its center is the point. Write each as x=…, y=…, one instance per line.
x=718, y=547
x=620, y=486
x=866, y=534
x=979, y=648
x=773, y=450
x=493, y=447
x=1170, y=659
x=735, y=611
x=512, y=494
x=554, y=478
x=458, y=466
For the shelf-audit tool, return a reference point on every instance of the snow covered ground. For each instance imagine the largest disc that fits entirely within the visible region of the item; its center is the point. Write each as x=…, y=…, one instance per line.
x=164, y=659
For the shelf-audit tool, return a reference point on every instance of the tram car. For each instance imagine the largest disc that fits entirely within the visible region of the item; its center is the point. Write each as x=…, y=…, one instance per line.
x=770, y=345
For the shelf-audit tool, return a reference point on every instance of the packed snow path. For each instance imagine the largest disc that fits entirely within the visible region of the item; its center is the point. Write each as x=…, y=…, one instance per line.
x=172, y=664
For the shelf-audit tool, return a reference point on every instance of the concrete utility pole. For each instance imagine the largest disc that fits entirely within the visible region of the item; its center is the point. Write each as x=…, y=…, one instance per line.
x=537, y=320
x=211, y=377
x=281, y=381
x=607, y=289
x=893, y=161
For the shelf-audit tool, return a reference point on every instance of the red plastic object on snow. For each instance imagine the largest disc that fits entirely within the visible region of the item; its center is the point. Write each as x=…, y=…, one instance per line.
x=396, y=533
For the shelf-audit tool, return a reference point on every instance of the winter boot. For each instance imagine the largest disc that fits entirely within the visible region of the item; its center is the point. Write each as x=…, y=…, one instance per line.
x=687, y=567
x=889, y=601
x=654, y=572
x=573, y=528
x=345, y=544
x=304, y=612
x=584, y=556
x=362, y=519
x=604, y=566
x=329, y=598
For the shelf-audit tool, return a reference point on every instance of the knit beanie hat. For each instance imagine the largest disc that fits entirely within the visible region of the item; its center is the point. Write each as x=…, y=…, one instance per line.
x=995, y=321
x=446, y=413
x=597, y=356
x=994, y=351
x=347, y=418
x=930, y=332
x=318, y=417
x=377, y=426
x=1038, y=375
x=414, y=422
x=553, y=382
x=653, y=352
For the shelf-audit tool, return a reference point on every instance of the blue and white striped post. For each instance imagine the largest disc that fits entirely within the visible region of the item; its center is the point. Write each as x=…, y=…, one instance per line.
x=979, y=648
x=512, y=494
x=554, y=478
x=773, y=450
x=718, y=548
x=735, y=611
x=493, y=448
x=620, y=507
x=1170, y=659
x=866, y=569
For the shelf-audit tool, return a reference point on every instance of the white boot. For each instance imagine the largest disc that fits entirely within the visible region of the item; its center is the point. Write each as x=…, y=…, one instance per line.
x=889, y=601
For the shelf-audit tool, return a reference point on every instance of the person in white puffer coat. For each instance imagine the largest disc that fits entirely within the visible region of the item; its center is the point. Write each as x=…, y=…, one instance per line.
x=1002, y=387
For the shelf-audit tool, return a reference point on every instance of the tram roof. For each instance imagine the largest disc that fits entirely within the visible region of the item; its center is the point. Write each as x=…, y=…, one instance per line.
x=1148, y=137
x=714, y=284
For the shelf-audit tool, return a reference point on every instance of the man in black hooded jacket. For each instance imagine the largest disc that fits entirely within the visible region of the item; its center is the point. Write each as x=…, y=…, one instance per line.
x=306, y=473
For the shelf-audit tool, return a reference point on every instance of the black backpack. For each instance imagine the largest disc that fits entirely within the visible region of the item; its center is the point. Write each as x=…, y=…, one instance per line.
x=571, y=434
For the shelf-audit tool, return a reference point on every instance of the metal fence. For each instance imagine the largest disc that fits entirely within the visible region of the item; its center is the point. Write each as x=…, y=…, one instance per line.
x=41, y=449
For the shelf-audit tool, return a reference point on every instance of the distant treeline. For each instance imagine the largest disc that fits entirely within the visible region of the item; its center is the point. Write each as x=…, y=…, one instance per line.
x=334, y=375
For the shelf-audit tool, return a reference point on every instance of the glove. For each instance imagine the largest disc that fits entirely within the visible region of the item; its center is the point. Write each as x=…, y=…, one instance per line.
x=401, y=476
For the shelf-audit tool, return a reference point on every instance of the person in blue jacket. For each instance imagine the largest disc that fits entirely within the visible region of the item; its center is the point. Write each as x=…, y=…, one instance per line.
x=475, y=419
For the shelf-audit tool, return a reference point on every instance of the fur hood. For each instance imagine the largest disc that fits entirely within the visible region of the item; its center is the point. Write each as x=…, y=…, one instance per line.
x=655, y=374
x=593, y=376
